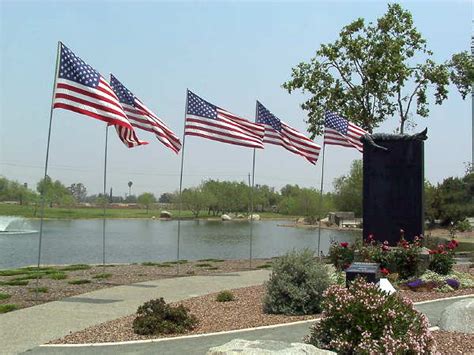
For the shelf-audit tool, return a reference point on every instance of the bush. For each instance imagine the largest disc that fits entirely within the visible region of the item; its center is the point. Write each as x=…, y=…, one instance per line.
x=225, y=296
x=406, y=259
x=79, y=282
x=4, y=308
x=463, y=226
x=363, y=319
x=58, y=276
x=156, y=317
x=296, y=284
x=341, y=255
x=442, y=258
x=4, y=296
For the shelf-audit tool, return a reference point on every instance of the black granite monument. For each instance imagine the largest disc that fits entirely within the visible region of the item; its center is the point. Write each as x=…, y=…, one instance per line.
x=393, y=186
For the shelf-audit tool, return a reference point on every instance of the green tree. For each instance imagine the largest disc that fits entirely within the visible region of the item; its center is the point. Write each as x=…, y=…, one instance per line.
x=78, y=191
x=348, y=190
x=14, y=191
x=195, y=200
x=146, y=199
x=374, y=71
x=166, y=198
x=54, y=192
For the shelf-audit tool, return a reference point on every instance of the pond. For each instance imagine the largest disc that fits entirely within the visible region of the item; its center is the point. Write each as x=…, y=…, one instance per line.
x=139, y=240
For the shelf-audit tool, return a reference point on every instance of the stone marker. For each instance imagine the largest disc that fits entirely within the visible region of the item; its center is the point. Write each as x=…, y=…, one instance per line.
x=264, y=347
x=458, y=317
x=369, y=271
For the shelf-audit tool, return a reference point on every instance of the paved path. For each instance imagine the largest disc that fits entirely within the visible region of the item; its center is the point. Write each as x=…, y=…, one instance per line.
x=27, y=328
x=200, y=345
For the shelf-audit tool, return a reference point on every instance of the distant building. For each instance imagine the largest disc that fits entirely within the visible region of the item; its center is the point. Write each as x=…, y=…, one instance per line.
x=344, y=219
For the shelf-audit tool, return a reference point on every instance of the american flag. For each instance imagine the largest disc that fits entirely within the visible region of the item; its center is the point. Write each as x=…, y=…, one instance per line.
x=339, y=131
x=203, y=119
x=279, y=133
x=142, y=117
x=81, y=89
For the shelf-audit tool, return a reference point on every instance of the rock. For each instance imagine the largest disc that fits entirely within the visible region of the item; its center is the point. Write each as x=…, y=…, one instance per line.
x=458, y=317
x=165, y=214
x=226, y=217
x=153, y=217
x=385, y=285
x=256, y=217
x=301, y=220
x=240, y=216
x=263, y=347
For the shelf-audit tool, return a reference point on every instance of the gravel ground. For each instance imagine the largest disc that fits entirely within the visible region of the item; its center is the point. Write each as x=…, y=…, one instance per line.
x=24, y=296
x=244, y=312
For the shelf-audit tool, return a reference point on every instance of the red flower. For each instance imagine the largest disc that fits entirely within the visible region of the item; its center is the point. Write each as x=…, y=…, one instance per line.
x=385, y=271
x=344, y=244
x=385, y=247
x=441, y=246
x=431, y=252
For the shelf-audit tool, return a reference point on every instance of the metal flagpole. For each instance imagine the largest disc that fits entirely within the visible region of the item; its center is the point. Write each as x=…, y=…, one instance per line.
x=321, y=204
x=252, y=188
x=251, y=207
x=46, y=167
x=181, y=183
x=105, y=198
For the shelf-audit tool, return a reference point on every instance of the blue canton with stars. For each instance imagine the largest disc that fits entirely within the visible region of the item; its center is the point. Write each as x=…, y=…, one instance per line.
x=73, y=68
x=200, y=107
x=266, y=117
x=334, y=121
x=124, y=95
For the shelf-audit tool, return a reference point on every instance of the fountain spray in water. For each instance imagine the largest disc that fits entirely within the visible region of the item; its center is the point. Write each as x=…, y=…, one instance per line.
x=14, y=225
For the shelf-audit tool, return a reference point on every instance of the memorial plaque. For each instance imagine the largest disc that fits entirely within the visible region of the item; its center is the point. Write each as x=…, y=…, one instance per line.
x=393, y=188
x=369, y=271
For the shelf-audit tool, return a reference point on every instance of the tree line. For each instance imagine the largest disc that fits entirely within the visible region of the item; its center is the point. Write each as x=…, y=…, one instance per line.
x=450, y=201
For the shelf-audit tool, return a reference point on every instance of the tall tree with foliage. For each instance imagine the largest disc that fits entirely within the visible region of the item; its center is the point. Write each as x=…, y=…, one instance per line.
x=377, y=70
x=348, y=190
x=146, y=199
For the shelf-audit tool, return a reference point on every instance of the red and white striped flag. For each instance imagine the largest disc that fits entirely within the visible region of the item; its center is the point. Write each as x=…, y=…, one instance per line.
x=143, y=118
x=81, y=89
x=206, y=120
x=339, y=131
x=279, y=133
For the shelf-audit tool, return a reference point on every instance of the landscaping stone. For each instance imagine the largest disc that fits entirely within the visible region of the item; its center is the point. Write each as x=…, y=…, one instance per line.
x=165, y=214
x=256, y=217
x=458, y=317
x=226, y=217
x=263, y=347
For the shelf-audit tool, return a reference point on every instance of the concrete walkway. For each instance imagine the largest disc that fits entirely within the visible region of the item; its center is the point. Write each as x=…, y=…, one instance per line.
x=27, y=328
x=198, y=345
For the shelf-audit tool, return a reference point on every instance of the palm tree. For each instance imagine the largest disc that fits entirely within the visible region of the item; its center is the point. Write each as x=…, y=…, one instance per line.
x=130, y=188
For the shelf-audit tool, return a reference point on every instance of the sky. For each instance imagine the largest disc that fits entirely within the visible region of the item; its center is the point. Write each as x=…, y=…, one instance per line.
x=228, y=52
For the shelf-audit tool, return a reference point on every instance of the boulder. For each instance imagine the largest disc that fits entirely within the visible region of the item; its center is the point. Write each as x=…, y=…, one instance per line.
x=301, y=220
x=263, y=347
x=458, y=317
x=226, y=217
x=165, y=214
x=240, y=216
x=256, y=217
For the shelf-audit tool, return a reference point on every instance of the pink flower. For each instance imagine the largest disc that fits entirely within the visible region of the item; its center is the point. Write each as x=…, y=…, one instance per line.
x=344, y=244
x=385, y=271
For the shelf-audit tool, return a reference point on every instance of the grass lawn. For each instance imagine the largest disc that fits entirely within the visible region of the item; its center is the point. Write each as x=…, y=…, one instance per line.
x=86, y=212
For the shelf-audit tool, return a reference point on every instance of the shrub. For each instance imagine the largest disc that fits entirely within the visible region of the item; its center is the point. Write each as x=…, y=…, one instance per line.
x=442, y=258
x=76, y=267
x=156, y=317
x=39, y=289
x=463, y=226
x=4, y=296
x=406, y=259
x=4, y=308
x=365, y=320
x=341, y=255
x=296, y=284
x=225, y=296
x=58, y=276
x=79, y=282
x=14, y=282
